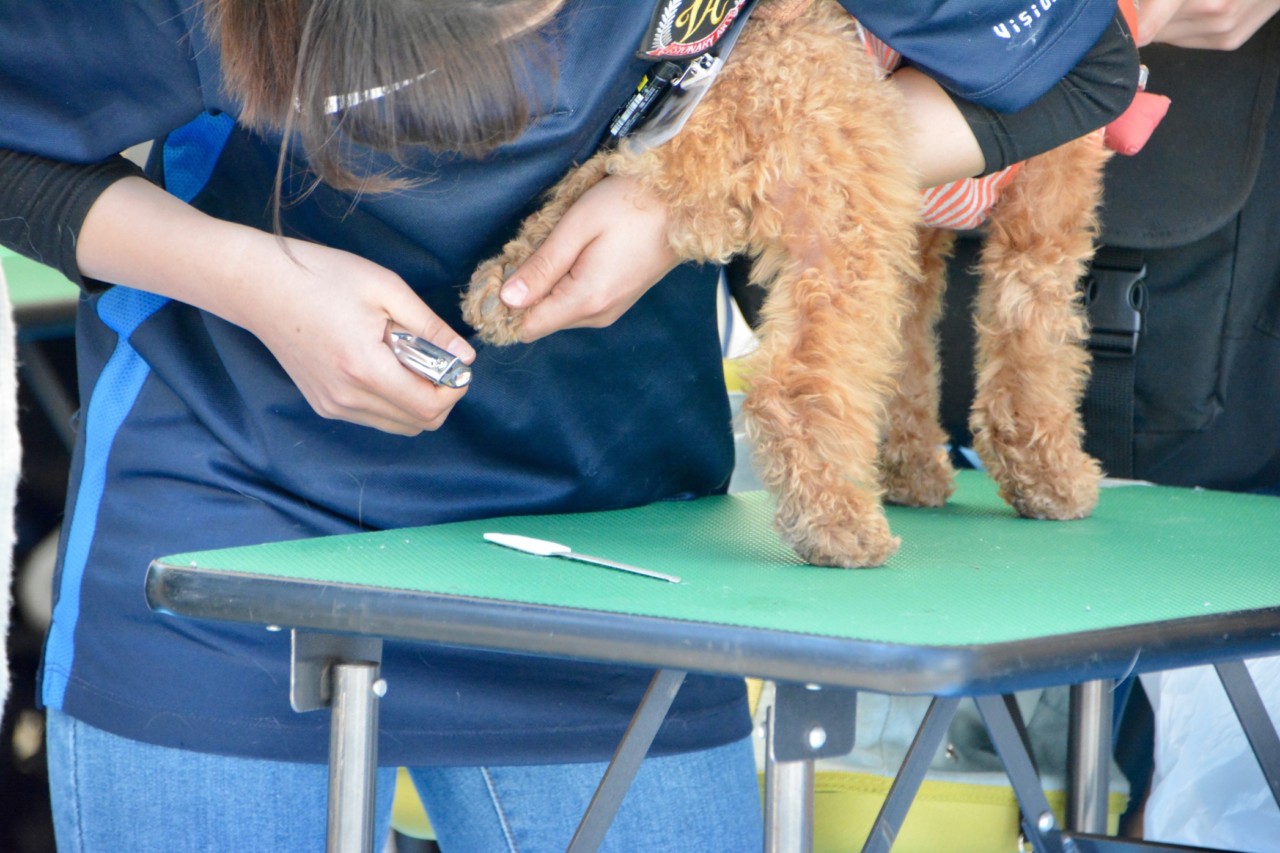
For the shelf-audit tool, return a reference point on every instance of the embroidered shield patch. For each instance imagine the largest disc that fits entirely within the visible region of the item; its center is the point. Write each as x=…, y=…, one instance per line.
x=683, y=29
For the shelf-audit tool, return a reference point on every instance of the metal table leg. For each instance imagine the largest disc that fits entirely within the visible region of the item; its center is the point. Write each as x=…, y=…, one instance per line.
x=353, y=756
x=626, y=761
x=788, y=799
x=806, y=722
x=915, y=765
x=341, y=673
x=1254, y=719
x=1004, y=724
x=1089, y=756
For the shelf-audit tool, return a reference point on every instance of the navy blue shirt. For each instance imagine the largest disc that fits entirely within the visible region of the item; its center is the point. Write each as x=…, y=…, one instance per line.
x=192, y=436
x=1002, y=54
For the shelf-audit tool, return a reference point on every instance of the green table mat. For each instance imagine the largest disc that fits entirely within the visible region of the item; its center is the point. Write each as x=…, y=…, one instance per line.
x=31, y=283
x=970, y=573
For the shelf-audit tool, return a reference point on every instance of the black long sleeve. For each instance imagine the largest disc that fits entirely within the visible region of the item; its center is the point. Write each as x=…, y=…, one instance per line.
x=44, y=202
x=1092, y=95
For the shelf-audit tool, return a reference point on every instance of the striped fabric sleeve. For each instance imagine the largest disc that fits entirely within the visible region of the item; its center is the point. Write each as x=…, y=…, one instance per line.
x=964, y=204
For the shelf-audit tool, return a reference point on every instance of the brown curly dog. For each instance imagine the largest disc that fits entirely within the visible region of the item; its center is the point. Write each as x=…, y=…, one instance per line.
x=801, y=166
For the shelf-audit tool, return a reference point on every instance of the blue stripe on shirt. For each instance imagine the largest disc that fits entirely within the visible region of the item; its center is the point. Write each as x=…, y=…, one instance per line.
x=189, y=156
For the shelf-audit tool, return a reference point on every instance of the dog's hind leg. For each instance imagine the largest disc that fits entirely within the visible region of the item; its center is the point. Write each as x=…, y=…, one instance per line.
x=913, y=459
x=1032, y=364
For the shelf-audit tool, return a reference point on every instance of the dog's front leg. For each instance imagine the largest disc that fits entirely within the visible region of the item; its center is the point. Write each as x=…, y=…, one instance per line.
x=814, y=411
x=482, y=306
x=830, y=203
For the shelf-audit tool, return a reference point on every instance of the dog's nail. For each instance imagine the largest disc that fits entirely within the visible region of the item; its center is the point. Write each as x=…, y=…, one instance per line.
x=489, y=305
x=508, y=271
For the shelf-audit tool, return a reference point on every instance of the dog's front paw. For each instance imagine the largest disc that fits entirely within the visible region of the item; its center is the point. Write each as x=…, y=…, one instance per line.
x=483, y=308
x=855, y=541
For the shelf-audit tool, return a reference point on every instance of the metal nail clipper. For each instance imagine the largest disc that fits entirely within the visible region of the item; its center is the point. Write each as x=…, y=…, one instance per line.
x=426, y=359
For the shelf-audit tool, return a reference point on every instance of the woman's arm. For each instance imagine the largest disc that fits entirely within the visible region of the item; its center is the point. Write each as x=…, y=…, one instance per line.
x=982, y=140
x=44, y=202
x=322, y=312
x=943, y=145
x=579, y=278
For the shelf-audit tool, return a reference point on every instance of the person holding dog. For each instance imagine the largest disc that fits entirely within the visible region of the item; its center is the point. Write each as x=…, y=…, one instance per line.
x=1196, y=212
x=323, y=168
x=1206, y=369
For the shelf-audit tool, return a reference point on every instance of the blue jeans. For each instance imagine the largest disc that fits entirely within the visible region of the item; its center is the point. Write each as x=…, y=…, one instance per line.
x=110, y=793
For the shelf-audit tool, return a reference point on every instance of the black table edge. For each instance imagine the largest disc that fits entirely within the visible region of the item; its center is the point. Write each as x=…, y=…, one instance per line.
x=602, y=636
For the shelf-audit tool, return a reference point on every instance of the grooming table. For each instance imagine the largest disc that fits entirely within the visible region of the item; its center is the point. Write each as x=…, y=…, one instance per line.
x=977, y=603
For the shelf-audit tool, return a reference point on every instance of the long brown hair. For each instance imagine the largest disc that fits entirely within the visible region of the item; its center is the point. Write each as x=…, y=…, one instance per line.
x=451, y=75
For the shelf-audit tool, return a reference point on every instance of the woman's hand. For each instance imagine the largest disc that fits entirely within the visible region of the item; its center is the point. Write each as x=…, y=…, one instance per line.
x=1211, y=24
x=322, y=313
x=607, y=251
x=325, y=322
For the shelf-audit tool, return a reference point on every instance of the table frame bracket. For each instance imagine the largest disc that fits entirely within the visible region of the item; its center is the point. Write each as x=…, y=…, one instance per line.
x=313, y=658
x=813, y=721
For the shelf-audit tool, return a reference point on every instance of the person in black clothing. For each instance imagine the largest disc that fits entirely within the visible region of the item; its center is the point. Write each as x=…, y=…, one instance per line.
x=1189, y=273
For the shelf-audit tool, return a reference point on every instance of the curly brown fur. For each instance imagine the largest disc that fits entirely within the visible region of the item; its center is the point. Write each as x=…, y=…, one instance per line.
x=829, y=211
x=1031, y=361
x=833, y=246
x=913, y=459
x=1032, y=365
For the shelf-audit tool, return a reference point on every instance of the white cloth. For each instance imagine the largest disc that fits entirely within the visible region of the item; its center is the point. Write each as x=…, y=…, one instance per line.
x=1207, y=789
x=10, y=458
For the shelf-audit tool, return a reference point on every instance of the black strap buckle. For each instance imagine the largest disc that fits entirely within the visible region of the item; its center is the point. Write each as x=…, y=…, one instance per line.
x=1114, y=298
